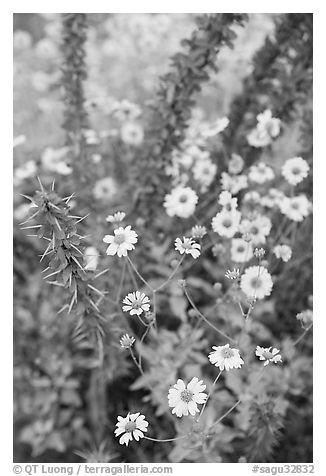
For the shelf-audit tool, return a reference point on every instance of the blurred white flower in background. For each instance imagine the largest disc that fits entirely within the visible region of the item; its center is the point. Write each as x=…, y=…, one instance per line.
x=22, y=40
x=295, y=170
x=256, y=282
x=241, y=250
x=184, y=400
x=26, y=170
x=132, y=426
x=296, y=208
x=181, y=202
x=53, y=160
x=273, y=198
x=260, y=173
x=204, y=172
x=46, y=49
x=105, y=189
x=226, y=223
x=233, y=183
x=236, y=164
x=116, y=217
x=132, y=133
x=267, y=128
x=228, y=202
x=284, y=252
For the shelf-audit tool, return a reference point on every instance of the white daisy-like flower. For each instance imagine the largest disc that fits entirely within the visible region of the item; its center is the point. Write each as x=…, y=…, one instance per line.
x=296, y=208
x=132, y=426
x=181, y=202
x=234, y=274
x=116, y=217
x=91, y=258
x=126, y=341
x=183, y=400
x=226, y=223
x=256, y=282
x=233, y=183
x=241, y=250
x=132, y=133
x=295, y=170
x=204, y=172
x=260, y=173
x=284, y=252
x=225, y=358
x=188, y=246
x=136, y=303
x=236, y=164
x=198, y=231
x=268, y=355
x=228, y=202
x=258, y=228
x=121, y=242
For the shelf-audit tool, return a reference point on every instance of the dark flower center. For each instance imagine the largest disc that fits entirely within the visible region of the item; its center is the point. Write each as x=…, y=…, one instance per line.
x=186, y=396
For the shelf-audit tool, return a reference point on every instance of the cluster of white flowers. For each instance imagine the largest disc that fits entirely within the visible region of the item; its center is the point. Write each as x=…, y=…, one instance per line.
x=258, y=228
x=233, y=183
x=284, y=252
x=267, y=129
x=226, y=222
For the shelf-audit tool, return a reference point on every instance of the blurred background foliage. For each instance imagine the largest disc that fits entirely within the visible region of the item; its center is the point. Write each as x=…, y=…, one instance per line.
x=66, y=398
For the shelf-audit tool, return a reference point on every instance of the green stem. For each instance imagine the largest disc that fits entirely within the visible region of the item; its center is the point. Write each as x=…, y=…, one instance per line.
x=193, y=305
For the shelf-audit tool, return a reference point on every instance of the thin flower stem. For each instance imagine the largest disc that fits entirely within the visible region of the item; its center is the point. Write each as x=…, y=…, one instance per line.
x=169, y=439
x=210, y=393
x=193, y=305
x=131, y=273
x=139, y=275
x=141, y=343
x=227, y=413
x=121, y=281
x=171, y=275
x=299, y=339
x=136, y=361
